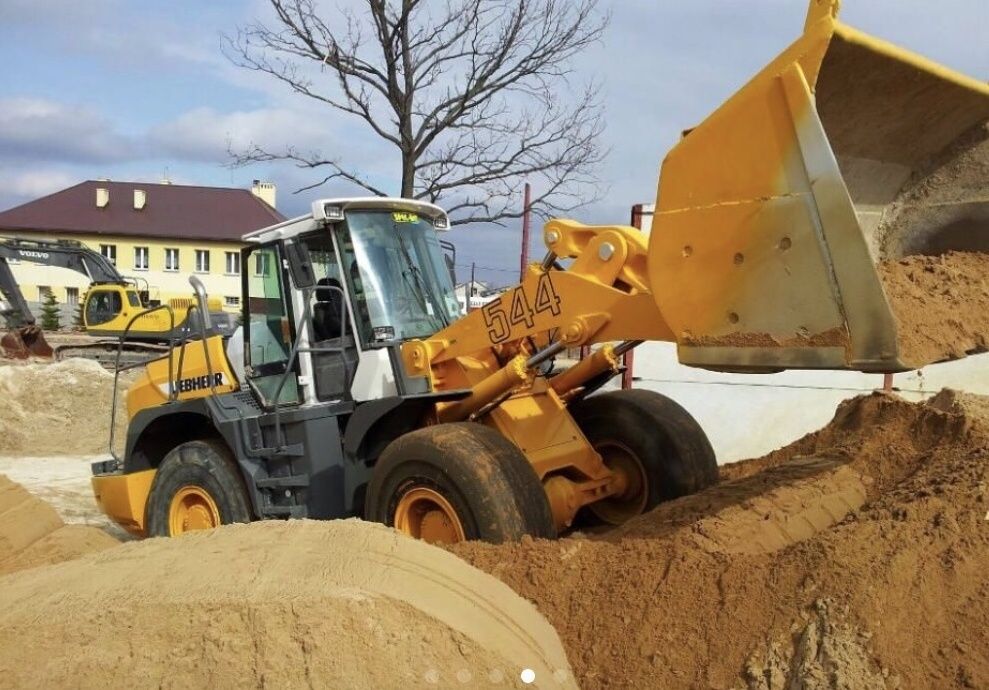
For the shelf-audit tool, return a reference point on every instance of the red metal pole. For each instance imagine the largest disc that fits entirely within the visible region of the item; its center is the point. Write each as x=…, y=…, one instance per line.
x=628, y=358
x=525, y=233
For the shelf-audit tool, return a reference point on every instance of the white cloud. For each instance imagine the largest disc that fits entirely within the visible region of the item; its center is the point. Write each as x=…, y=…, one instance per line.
x=30, y=184
x=41, y=129
x=205, y=134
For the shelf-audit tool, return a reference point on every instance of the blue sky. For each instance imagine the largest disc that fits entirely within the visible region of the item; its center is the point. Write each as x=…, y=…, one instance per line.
x=130, y=89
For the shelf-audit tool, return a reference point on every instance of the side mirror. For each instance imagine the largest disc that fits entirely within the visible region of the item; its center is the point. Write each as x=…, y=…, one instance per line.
x=450, y=256
x=299, y=265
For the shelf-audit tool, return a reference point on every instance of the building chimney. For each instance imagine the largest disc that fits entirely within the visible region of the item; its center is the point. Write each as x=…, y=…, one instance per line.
x=140, y=199
x=102, y=197
x=265, y=191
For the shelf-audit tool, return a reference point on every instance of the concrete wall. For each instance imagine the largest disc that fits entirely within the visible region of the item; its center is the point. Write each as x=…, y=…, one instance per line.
x=746, y=416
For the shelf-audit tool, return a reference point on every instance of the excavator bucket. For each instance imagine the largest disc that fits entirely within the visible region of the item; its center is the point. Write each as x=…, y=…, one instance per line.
x=773, y=213
x=25, y=342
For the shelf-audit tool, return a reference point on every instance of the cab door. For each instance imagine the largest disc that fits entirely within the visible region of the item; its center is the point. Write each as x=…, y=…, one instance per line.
x=333, y=347
x=268, y=327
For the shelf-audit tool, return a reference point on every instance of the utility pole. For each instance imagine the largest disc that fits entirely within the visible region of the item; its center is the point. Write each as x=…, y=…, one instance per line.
x=525, y=233
x=470, y=287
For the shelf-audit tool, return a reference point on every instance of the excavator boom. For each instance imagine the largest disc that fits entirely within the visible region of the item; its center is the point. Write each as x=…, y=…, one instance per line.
x=24, y=337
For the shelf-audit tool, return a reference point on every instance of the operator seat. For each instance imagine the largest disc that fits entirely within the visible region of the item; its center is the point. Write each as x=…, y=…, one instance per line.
x=333, y=368
x=328, y=310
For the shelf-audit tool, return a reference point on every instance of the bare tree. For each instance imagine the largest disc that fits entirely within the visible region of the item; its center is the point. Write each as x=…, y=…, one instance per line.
x=474, y=94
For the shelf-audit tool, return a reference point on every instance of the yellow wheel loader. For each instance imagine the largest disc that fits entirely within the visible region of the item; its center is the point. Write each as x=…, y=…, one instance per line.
x=113, y=304
x=356, y=387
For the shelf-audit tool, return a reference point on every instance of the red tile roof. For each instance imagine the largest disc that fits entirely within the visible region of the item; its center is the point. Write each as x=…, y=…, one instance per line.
x=170, y=212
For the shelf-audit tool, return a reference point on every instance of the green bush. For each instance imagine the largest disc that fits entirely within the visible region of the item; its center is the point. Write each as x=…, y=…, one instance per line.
x=51, y=315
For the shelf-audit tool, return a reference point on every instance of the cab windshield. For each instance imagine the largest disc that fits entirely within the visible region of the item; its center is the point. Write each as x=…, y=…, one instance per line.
x=399, y=279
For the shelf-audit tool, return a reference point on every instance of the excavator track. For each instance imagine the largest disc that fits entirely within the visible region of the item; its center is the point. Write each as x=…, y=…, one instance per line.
x=105, y=352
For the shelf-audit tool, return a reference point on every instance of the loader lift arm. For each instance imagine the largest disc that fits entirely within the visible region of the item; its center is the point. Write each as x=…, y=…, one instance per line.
x=770, y=217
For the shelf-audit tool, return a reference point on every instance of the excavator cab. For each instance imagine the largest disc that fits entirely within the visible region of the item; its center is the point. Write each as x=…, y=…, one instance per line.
x=104, y=303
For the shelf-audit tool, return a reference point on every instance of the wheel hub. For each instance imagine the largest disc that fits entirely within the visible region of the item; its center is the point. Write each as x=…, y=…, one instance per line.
x=426, y=514
x=192, y=508
x=630, y=486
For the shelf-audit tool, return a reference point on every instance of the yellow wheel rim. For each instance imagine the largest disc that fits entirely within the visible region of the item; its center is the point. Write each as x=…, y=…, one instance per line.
x=425, y=514
x=631, y=499
x=192, y=508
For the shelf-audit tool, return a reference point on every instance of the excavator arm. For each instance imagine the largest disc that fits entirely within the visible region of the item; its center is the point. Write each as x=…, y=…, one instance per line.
x=24, y=338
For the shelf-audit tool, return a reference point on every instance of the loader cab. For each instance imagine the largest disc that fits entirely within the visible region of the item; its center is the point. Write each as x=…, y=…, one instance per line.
x=346, y=285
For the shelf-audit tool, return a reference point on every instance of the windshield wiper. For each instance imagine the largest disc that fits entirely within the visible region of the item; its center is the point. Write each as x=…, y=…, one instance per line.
x=419, y=286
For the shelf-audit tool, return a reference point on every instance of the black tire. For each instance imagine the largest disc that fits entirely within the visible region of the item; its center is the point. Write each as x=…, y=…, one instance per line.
x=487, y=481
x=207, y=465
x=668, y=443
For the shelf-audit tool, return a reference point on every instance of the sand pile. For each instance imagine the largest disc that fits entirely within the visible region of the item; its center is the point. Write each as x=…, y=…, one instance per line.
x=934, y=238
x=941, y=305
x=57, y=408
x=32, y=533
x=861, y=567
x=274, y=604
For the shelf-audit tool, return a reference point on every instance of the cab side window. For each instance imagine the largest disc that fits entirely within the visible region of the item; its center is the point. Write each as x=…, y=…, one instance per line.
x=335, y=355
x=102, y=306
x=269, y=328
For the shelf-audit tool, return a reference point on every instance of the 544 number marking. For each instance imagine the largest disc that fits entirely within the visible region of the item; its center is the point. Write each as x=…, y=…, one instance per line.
x=520, y=311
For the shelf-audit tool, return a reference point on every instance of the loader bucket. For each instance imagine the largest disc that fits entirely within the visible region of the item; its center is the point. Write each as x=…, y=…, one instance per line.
x=773, y=212
x=25, y=342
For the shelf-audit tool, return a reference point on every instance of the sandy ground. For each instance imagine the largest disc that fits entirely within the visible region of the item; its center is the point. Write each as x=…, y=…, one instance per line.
x=273, y=604
x=63, y=482
x=853, y=558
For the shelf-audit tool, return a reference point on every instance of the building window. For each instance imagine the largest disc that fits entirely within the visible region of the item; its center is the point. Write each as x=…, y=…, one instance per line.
x=202, y=261
x=43, y=291
x=262, y=263
x=72, y=296
x=233, y=263
x=140, y=258
x=171, y=259
x=232, y=301
x=110, y=252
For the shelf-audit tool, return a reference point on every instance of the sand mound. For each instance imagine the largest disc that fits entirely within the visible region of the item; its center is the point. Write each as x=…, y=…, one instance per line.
x=298, y=604
x=941, y=305
x=32, y=533
x=56, y=408
x=826, y=654
x=880, y=515
x=934, y=238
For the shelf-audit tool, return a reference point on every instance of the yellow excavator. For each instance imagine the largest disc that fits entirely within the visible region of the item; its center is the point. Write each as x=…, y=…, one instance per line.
x=113, y=304
x=356, y=387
